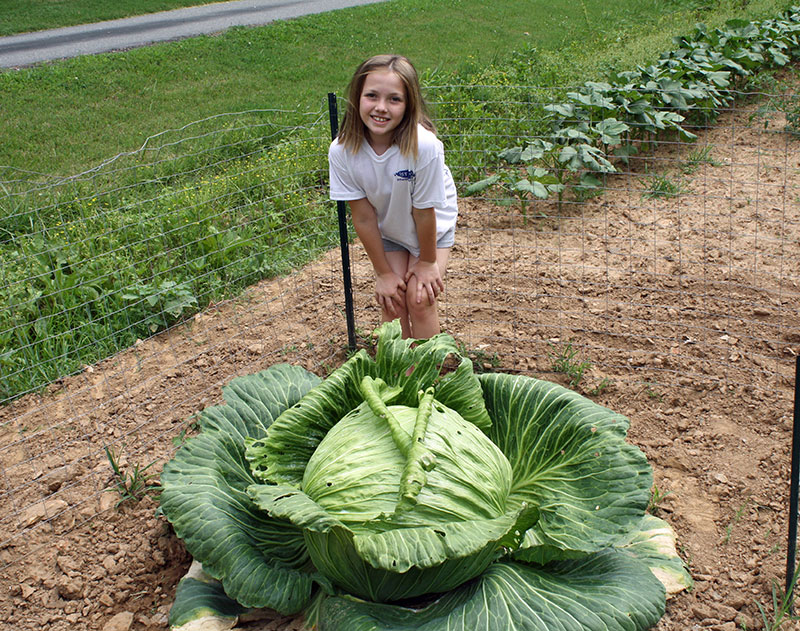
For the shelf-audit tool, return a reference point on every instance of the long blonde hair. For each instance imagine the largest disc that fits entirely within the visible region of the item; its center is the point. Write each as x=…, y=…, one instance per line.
x=352, y=132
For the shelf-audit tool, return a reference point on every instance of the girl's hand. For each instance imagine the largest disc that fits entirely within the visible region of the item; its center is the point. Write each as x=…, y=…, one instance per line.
x=428, y=279
x=390, y=292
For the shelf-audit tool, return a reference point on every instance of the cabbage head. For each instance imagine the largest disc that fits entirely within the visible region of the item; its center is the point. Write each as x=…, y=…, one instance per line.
x=407, y=492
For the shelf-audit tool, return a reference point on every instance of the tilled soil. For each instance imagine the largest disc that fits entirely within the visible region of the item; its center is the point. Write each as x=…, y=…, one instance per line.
x=681, y=309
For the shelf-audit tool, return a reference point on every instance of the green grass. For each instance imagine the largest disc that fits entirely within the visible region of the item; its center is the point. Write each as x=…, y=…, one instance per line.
x=60, y=118
x=133, y=483
x=37, y=15
x=565, y=360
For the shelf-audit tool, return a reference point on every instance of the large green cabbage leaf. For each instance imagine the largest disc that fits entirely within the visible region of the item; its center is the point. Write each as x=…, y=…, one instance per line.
x=653, y=542
x=607, y=591
x=261, y=562
x=570, y=459
x=389, y=564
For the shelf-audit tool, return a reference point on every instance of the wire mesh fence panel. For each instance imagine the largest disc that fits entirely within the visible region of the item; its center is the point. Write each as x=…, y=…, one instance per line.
x=668, y=263
x=134, y=291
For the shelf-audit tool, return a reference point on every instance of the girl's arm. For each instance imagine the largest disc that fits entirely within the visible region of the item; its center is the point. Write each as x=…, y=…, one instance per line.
x=426, y=270
x=389, y=288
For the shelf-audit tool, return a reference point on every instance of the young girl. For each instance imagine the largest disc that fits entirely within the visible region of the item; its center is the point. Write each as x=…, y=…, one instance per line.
x=389, y=166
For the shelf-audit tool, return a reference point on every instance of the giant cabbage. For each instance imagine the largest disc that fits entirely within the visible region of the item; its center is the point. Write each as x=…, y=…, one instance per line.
x=407, y=492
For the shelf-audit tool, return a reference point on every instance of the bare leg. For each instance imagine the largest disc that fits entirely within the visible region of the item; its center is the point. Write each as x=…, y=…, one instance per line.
x=424, y=316
x=399, y=262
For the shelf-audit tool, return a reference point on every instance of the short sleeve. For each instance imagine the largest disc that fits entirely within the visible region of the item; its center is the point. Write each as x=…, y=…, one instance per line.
x=429, y=184
x=342, y=184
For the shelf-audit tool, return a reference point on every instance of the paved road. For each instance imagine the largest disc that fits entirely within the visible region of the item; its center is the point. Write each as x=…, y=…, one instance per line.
x=102, y=37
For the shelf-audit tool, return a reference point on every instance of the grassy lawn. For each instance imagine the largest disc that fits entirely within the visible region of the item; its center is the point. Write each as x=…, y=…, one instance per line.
x=63, y=117
x=37, y=15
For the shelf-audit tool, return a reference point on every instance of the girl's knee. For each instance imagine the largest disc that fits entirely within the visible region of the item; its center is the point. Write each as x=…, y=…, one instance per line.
x=418, y=310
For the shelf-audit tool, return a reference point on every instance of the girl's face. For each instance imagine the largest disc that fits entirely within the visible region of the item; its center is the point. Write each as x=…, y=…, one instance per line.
x=382, y=106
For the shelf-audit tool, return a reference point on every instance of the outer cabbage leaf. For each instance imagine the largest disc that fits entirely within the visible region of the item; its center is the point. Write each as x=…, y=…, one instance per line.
x=570, y=459
x=653, y=542
x=281, y=457
x=253, y=402
x=606, y=591
x=203, y=604
x=260, y=561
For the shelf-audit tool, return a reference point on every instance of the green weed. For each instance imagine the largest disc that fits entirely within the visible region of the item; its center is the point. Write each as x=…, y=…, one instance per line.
x=600, y=388
x=651, y=392
x=657, y=497
x=697, y=157
x=481, y=360
x=662, y=186
x=737, y=516
x=181, y=438
x=132, y=484
x=565, y=360
x=783, y=604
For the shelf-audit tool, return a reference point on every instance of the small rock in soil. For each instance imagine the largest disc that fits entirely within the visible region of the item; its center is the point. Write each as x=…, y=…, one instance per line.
x=70, y=589
x=121, y=622
x=724, y=612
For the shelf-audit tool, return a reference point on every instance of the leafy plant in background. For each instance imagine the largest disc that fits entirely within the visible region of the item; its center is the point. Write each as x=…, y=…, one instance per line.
x=90, y=270
x=161, y=304
x=394, y=495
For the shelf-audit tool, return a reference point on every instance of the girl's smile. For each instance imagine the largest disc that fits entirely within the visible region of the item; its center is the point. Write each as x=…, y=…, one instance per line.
x=381, y=107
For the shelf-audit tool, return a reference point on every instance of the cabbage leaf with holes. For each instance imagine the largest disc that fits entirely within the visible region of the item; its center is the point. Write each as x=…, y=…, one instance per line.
x=406, y=492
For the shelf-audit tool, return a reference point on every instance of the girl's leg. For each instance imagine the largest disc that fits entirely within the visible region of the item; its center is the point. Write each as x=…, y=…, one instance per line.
x=424, y=316
x=398, y=261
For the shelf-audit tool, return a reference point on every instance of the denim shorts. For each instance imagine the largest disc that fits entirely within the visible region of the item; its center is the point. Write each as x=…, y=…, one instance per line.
x=445, y=241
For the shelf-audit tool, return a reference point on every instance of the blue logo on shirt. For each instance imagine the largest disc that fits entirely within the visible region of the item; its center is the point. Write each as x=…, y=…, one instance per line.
x=405, y=175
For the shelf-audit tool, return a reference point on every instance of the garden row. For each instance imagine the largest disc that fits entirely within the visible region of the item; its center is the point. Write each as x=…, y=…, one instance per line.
x=605, y=123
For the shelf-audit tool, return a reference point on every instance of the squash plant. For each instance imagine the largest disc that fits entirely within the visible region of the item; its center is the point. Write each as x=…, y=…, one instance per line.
x=602, y=122
x=395, y=494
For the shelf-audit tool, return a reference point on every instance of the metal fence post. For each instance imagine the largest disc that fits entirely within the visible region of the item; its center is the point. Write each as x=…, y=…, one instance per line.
x=791, y=547
x=344, y=243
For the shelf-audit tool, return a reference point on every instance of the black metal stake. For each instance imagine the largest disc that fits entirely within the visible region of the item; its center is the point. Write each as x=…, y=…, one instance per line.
x=791, y=547
x=344, y=243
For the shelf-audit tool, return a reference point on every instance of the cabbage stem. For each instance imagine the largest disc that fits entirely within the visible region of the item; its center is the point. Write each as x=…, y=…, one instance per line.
x=369, y=389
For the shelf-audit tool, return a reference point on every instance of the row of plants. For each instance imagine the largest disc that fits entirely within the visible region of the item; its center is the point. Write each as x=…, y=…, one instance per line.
x=578, y=140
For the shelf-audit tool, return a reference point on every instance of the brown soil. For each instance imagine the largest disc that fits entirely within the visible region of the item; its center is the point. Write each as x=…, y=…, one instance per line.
x=686, y=308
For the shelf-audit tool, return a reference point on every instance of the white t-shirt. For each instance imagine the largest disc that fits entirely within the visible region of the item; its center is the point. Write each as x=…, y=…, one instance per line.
x=394, y=184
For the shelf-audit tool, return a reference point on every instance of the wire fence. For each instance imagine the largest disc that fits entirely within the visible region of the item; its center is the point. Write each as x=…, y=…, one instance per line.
x=135, y=291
